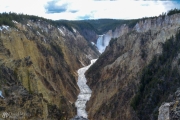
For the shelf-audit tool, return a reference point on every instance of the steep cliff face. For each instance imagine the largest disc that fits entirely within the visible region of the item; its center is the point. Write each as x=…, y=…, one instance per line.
x=103, y=40
x=170, y=110
x=38, y=69
x=90, y=35
x=115, y=77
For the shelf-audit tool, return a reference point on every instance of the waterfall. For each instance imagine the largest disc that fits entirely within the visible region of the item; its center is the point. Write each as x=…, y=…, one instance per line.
x=84, y=95
x=85, y=91
x=1, y=94
x=102, y=42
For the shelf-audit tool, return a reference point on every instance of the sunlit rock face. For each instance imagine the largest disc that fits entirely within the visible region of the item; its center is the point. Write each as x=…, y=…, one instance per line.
x=38, y=69
x=156, y=24
x=164, y=112
x=170, y=110
x=142, y=26
x=114, y=79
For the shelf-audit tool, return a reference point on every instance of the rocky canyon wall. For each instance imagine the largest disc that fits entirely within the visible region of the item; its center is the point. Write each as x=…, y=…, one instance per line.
x=38, y=69
x=115, y=77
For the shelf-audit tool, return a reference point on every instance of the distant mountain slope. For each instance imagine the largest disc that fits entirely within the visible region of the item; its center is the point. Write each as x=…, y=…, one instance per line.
x=103, y=25
x=99, y=26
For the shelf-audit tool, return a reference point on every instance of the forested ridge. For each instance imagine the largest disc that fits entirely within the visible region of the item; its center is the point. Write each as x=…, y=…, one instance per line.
x=158, y=80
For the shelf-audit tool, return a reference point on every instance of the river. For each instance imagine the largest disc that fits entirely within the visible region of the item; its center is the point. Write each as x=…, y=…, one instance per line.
x=84, y=95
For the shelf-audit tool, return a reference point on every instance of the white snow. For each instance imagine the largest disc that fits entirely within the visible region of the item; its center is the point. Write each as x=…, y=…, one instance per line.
x=38, y=33
x=4, y=27
x=1, y=94
x=85, y=91
x=92, y=43
x=44, y=40
x=74, y=30
x=61, y=31
x=28, y=25
x=14, y=21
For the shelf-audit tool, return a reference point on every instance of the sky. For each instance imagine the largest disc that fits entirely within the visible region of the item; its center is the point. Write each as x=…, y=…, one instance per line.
x=89, y=9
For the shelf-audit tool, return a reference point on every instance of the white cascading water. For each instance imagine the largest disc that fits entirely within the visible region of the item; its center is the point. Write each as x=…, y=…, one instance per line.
x=1, y=94
x=85, y=92
x=102, y=42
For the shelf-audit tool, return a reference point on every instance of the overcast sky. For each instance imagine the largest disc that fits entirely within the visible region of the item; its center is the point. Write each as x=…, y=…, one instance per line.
x=89, y=9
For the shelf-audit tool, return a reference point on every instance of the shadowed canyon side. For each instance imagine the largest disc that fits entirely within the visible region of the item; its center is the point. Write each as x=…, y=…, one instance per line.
x=115, y=77
x=38, y=69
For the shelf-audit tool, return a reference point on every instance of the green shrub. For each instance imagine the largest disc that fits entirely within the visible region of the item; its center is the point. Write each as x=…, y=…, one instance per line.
x=173, y=11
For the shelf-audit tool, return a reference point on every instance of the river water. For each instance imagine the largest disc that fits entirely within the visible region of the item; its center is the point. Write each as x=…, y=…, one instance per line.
x=84, y=95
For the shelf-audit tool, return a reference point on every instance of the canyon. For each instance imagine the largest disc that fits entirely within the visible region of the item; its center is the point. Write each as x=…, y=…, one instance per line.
x=44, y=67
x=115, y=77
x=38, y=69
